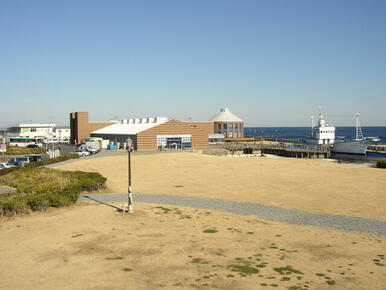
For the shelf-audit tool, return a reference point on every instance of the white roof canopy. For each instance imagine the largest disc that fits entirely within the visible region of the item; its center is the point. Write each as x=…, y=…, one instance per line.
x=226, y=115
x=131, y=126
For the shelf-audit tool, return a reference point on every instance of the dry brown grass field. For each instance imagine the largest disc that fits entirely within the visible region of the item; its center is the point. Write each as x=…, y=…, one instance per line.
x=304, y=184
x=93, y=246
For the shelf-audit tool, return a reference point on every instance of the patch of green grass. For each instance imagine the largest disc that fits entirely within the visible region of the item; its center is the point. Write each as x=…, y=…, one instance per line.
x=164, y=209
x=127, y=269
x=379, y=264
x=285, y=279
x=330, y=282
x=381, y=163
x=250, y=233
x=210, y=231
x=319, y=274
x=77, y=235
x=243, y=269
x=114, y=258
x=199, y=261
x=287, y=270
x=230, y=276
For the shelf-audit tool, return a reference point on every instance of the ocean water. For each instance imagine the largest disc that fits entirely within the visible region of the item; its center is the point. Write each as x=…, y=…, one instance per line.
x=301, y=133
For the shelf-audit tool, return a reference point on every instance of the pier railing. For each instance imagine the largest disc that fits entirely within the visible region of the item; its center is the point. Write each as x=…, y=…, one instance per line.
x=281, y=149
x=241, y=146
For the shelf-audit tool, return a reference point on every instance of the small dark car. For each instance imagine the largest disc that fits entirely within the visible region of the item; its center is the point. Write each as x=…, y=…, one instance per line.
x=32, y=146
x=35, y=158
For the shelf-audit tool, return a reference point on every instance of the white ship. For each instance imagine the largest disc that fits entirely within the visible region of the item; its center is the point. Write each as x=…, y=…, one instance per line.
x=355, y=147
x=322, y=133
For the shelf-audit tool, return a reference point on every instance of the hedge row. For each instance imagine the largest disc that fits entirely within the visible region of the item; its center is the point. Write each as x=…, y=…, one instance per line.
x=381, y=164
x=44, y=162
x=41, y=188
x=48, y=161
x=16, y=150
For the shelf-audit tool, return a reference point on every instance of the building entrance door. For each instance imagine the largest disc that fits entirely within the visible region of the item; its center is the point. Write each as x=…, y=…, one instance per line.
x=173, y=143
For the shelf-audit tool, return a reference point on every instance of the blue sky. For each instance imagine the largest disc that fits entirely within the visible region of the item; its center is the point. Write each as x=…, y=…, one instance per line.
x=272, y=62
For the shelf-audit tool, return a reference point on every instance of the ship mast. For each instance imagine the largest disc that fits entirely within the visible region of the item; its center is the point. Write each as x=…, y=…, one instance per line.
x=359, y=134
x=312, y=126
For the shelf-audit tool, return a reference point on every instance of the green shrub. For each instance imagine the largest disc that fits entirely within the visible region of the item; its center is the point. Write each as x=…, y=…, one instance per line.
x=44, y=162
x=13, y=207
x=381, y=163
x=8, y=170
x=16, y=150
x=41, y=188
x=48, y=161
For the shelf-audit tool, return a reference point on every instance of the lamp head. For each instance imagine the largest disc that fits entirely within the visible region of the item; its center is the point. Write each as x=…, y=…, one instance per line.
x=129, y=144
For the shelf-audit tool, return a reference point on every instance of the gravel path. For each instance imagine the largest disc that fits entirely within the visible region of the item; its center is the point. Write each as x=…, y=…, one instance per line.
x=269, y=213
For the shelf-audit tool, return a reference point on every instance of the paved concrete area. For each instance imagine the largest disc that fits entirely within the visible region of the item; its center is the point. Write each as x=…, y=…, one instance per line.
x=269, y=213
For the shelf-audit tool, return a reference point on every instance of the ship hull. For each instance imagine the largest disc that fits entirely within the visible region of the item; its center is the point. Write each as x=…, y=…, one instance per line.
x=350, y=147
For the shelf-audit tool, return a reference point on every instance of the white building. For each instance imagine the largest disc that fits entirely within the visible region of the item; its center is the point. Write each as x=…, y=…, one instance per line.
x=62, y=133
x=40, y=131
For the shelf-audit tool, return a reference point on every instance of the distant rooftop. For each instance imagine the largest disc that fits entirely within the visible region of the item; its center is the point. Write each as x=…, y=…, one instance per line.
x=131, y=126
x=37, y=125
x=226, y=115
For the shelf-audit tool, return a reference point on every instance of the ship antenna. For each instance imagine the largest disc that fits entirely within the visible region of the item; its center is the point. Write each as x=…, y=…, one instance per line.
x=359, y=134
x=312, y=126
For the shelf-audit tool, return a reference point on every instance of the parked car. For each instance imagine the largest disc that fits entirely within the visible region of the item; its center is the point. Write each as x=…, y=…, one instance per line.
x=17, y=161
x=90, y=149
x=5, y=165
x=82, y=152
x=32, y=146
x=35, y=158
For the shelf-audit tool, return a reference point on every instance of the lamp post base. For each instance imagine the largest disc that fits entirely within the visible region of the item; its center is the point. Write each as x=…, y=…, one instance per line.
x=128, y=208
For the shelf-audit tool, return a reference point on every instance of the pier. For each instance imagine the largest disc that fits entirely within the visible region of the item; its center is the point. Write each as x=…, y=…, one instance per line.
x=280, y=149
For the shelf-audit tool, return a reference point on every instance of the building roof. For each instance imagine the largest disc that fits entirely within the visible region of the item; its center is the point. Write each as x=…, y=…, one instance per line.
x=62, y=127
x=37, y=125
x=131, y=126
x=226, y=115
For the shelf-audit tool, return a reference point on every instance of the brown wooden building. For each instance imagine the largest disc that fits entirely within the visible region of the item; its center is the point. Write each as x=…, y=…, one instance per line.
x=157, y=133
x=81, y=128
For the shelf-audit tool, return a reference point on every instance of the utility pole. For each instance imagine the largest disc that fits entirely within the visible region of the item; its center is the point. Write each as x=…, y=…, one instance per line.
x=129, y=207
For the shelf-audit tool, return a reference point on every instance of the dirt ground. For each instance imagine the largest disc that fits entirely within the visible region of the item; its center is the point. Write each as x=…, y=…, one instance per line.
x=305, y=184
x=93, y=246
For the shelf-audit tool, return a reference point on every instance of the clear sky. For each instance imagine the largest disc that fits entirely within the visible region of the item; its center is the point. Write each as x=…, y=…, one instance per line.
x=272, y=62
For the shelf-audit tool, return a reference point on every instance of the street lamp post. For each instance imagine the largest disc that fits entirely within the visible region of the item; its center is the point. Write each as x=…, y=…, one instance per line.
x=129, y=206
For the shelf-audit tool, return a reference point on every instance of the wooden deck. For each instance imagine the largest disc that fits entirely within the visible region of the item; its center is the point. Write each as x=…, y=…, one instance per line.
x=295, y=151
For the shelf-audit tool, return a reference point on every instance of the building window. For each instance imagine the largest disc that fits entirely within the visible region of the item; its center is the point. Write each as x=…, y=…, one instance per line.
x=236, y=128
x=174, y=142
x=33, y=130
x=218, y=128
x=224, y=128
x=230, y=128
